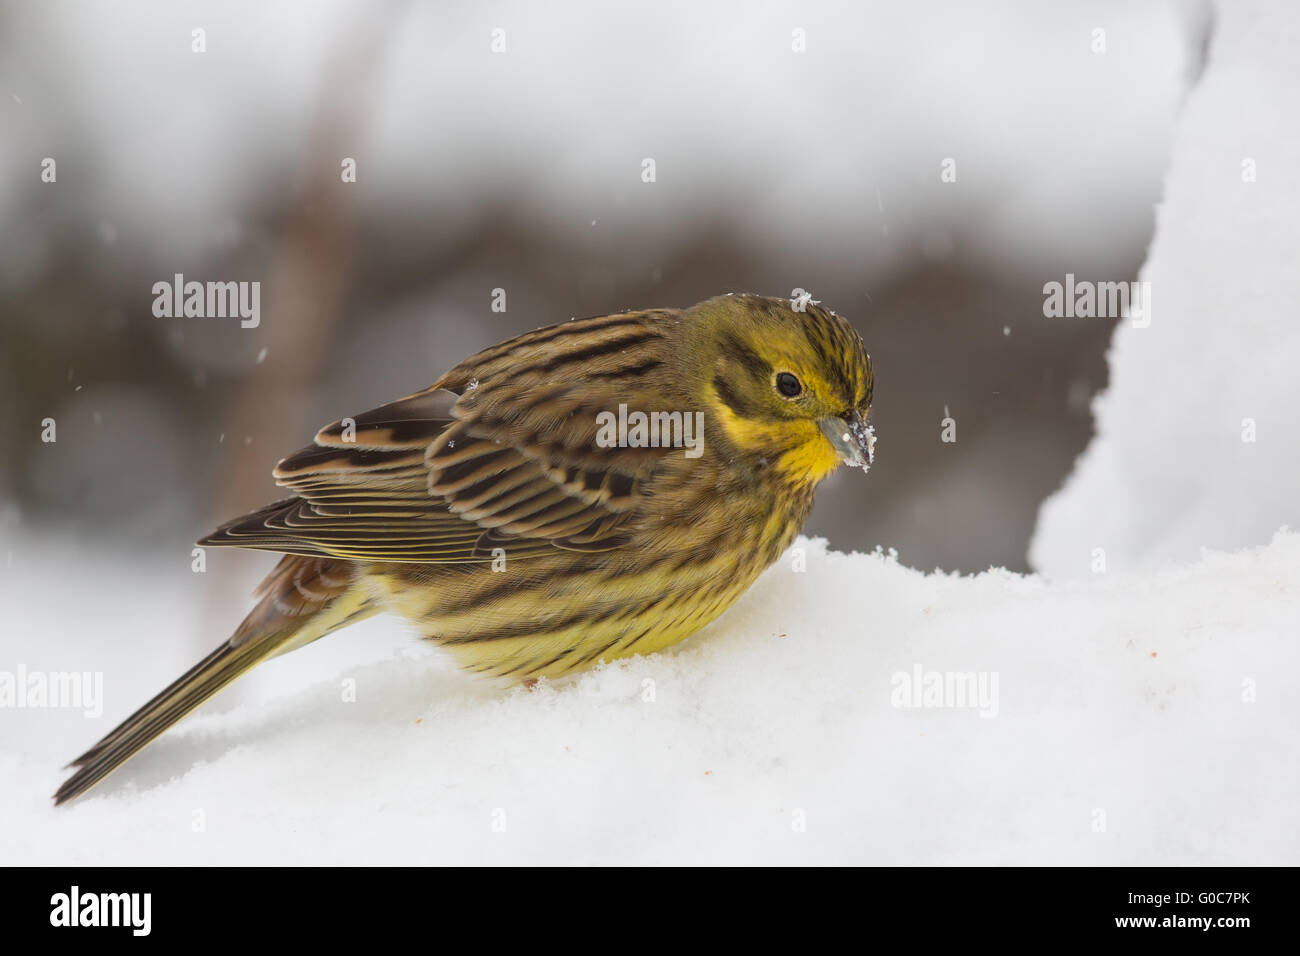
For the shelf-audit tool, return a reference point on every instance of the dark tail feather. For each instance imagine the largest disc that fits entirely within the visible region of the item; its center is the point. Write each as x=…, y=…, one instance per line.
x=199, y=683
x=303, y=599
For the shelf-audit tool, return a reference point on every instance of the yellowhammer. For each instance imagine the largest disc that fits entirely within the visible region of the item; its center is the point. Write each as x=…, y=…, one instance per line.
x=599, y=488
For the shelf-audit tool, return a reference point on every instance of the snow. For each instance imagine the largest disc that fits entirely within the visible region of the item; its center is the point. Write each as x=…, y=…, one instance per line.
x=1159, y=708
x=1198, y=440
x=865, y=435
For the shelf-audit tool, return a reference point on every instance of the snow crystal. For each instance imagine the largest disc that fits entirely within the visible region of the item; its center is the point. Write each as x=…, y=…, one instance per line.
x=865, y=436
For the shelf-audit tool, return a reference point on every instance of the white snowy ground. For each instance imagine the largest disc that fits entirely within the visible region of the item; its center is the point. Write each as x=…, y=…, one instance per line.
x=1162, y=707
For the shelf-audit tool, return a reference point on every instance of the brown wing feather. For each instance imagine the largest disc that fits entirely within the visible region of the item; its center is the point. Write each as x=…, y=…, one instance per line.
x=500, y=453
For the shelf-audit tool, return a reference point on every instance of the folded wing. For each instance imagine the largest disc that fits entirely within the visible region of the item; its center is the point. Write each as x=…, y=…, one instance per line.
x=450, y=473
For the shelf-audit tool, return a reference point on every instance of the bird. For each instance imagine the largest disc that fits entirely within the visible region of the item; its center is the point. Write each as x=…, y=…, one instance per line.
x=579, y=493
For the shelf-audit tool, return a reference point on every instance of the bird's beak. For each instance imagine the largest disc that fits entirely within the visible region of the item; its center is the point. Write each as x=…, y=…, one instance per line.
x=854, y=440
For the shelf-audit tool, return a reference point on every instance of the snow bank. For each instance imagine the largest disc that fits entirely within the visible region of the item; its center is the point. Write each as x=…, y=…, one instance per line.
x=1198, y=440
x=1136, y=720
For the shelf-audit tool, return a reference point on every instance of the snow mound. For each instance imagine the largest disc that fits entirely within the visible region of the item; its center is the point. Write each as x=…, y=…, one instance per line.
x=1123, y=720
x=1198, y=441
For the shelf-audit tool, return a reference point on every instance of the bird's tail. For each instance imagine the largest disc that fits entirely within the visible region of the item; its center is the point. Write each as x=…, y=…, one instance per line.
x=302, y=600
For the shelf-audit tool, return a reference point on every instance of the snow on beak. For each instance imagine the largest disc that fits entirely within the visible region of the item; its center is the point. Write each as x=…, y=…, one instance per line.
x=854, y=440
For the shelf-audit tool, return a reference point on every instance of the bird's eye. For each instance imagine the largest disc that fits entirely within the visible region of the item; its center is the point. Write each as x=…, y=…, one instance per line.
x=788, y=385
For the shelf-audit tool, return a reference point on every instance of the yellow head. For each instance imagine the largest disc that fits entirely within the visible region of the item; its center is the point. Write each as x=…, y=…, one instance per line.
x=790, y=387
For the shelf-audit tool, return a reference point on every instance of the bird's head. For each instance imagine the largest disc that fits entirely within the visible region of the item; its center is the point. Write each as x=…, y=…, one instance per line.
x=789, y=386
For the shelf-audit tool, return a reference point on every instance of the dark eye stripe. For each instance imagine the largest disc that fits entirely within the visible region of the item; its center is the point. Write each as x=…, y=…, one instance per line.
x=741, y=354
x=731, y=399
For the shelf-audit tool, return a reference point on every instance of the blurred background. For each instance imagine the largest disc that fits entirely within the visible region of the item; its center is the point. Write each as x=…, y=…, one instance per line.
x=502, y=145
